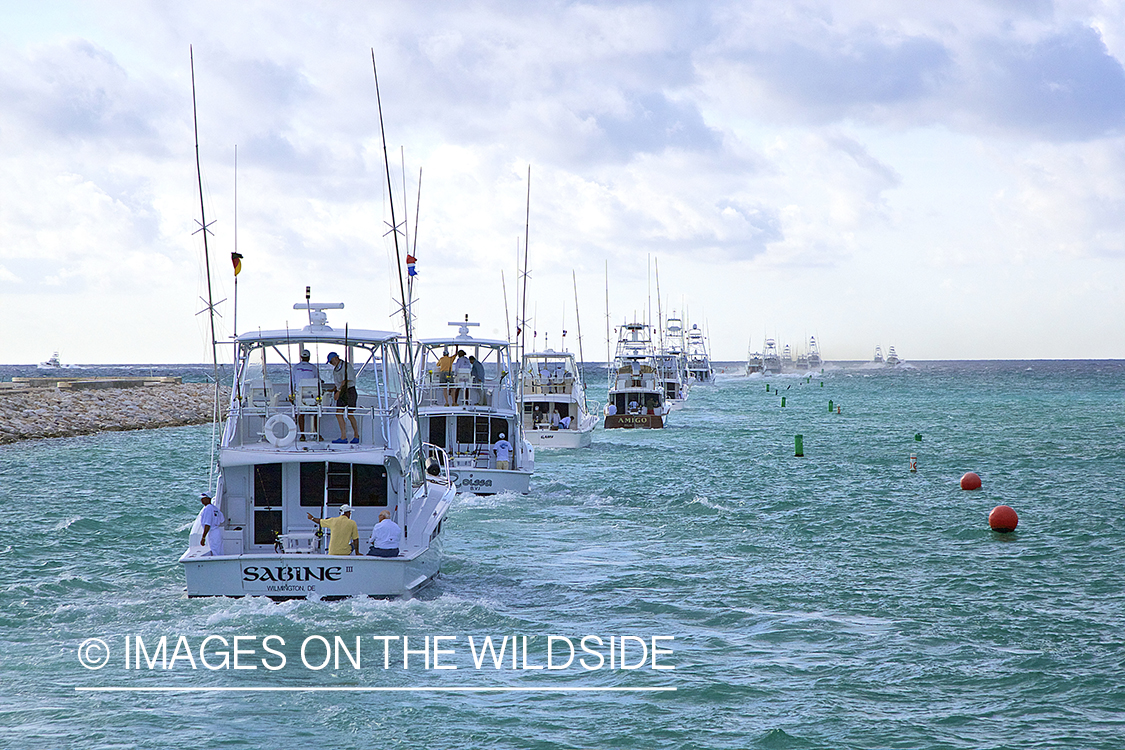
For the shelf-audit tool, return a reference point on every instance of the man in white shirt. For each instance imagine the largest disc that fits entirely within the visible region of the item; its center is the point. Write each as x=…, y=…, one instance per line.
x=463, y=374
x=210, y=521
x=303, y=370
x=503, y=450
x=564, y=423
x=385, y=537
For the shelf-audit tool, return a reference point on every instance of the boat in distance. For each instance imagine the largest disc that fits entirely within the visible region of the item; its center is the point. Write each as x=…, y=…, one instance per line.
x=467, y=410
x=285, y=453
x=555, y=414
x=636, y=395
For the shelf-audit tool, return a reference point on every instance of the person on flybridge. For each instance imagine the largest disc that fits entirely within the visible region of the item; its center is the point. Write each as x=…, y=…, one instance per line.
x=304, y=370
x=343, y=379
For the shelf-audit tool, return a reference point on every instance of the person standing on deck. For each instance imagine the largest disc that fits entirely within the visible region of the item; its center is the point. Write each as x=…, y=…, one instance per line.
x=303, y=370
x=503, y=450
x=343, y=379
x=211, y=520
x=445, y=374
x=344, y=539
x=477, y=371
x=462, y=371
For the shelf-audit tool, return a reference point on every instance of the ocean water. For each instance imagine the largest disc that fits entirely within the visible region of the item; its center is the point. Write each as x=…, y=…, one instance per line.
x=831, y=601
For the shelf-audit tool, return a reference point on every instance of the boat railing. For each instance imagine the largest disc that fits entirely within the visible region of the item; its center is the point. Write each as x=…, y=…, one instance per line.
x=437, y=464
x=293, y=426
x=491, y=394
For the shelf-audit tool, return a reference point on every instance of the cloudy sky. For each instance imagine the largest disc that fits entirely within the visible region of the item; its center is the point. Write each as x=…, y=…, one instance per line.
x=949, y=180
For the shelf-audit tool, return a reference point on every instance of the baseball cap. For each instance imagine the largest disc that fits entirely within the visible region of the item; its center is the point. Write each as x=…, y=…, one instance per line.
x=345, y=509
x=331, y=356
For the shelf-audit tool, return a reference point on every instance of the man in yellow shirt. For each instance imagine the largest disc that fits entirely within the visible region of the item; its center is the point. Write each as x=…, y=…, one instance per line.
x=345, y=534
x=445, y=374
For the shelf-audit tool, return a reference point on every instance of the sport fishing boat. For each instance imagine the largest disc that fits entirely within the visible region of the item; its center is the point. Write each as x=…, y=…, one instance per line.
x=771, y=362
x=285, y=453
x=636, y=394
x=672, y=365
x=815, y=361
x=892, y=358
x=53, y=363
x=555, y=414
x=699, y=361
x=468, y=410
x=878, y=355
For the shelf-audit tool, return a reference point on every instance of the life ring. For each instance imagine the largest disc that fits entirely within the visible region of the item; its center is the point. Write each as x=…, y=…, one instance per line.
x=282, y=441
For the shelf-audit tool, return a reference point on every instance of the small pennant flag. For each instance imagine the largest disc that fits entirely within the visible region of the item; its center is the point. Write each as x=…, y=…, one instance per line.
x=236, y=259
x=410, y=261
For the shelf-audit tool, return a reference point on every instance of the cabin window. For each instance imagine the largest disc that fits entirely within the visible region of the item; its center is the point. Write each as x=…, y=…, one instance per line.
x=312, y=484
x=499, y=426
x=465, y=431
x=437, y=431
x=354, y=484
x=267, y=525
x=369, y=486
x=267, y=486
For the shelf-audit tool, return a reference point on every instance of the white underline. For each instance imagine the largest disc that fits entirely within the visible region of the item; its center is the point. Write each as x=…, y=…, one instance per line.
x=374, y=689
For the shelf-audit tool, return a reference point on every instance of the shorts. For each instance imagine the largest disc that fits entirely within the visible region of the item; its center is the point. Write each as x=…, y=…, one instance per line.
x=349, y=398
x=501, y=464
x=374, y=551
x=445, y=376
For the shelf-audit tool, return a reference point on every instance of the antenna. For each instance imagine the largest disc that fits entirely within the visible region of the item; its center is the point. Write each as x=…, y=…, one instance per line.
x=523, y=302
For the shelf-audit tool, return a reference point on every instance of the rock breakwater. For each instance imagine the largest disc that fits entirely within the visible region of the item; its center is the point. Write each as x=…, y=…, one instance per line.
x=52, y=412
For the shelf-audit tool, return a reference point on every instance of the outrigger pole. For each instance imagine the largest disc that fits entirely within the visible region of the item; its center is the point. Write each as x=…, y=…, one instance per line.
x=523, y=303
x=581, y=358
x=413, y=398
x=205, y=228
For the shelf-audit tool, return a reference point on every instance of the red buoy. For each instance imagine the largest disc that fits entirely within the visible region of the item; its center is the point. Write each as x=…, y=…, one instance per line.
x=1003, y=519
x=970, y=482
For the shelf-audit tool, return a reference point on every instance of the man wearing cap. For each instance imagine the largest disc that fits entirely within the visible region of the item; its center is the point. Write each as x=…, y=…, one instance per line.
x=303, y=370
x=503, y=450
x=343, y=383
x=211, y=521
x=345, y=534
x=445, y=373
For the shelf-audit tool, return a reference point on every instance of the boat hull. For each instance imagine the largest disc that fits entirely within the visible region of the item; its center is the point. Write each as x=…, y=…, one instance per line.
x=634, y=421
x=560, y=438
x=490, y=481
x=300, y=576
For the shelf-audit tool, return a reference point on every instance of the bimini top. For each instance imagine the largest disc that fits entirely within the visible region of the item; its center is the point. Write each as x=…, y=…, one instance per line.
x=463, y=337
x=318, y=330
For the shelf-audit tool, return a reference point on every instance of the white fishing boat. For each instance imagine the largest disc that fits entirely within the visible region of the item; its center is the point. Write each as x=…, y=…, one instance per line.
x=815, y=361
x=892, y=357
x=878, y=355
x=468, y=411
x=285, y=452
x=636, y=394
x=555, y=414
x=672, y=365
x=53, y=363
x=699, y=360
x=771, y=361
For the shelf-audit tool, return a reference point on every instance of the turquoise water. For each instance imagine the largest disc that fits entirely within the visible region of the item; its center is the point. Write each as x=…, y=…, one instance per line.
x=831, y=601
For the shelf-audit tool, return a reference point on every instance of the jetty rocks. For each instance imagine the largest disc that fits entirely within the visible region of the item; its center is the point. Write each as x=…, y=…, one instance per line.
x=32, y=408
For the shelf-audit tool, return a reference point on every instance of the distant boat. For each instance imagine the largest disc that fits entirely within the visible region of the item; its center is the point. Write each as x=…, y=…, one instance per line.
x=815, y=362
x=699, y=361
x=636, y=396
x=878, y=355
x=892, y=358
x=53, y=363
x=771, y=362
x=554, y=401
x=754, y=362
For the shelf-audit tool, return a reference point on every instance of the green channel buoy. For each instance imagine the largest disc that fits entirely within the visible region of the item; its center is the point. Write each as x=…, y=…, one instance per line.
x=783, y=400
x=767, y=387
x=799, y=445
x=829, y=406
x=917, y=437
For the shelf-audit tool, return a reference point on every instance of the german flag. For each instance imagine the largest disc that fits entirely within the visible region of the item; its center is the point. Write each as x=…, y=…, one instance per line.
x=236, y=259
